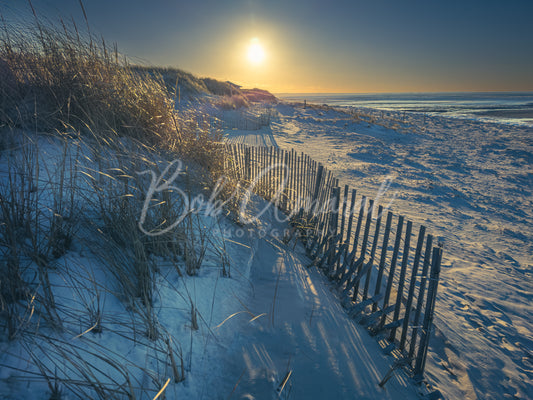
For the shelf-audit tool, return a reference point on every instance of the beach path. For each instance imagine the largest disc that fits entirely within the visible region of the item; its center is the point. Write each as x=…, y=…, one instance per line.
x=261, y=137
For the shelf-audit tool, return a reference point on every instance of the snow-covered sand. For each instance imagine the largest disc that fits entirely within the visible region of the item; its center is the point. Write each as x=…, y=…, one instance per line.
x=471, y=184
x=274, y=329
x=297, y=330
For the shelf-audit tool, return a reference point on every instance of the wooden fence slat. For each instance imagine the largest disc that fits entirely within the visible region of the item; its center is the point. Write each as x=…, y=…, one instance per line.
x=349, y=263
x=328, y=190
x=412, y=285
x=305, y=178
x=373, y=252
x=359, y=222
x=350, y=221
x=401, y=280
x=248, y=164
x=279, y=177
x=268, y=171
x=314, y=171
x=256, y=162
x=325, y=196
x=285, y=178
x=392, y=267
x=332, y=214
x=251, y=161
x=343, y=219
x=334, y=217
x=301, y=180
x=363, y=247
x=262, y=164
x=322, y=202
x=429, y=313
x=320, y=206
x=421, y=292
x=291, y=181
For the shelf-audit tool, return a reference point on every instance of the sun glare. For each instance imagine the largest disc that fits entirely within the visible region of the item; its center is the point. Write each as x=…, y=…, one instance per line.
x=256, y=52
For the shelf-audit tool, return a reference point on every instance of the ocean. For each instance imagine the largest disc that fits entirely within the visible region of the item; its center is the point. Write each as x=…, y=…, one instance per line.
x=503, y=107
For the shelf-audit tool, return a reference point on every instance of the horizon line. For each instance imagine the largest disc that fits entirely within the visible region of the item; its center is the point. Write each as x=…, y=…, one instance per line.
x=406, y=92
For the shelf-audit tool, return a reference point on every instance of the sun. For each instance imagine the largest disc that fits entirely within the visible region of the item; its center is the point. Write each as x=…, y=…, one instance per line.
x=256, y=53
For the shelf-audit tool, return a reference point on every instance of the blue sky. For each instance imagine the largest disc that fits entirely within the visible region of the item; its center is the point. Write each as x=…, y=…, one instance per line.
x=321, y=46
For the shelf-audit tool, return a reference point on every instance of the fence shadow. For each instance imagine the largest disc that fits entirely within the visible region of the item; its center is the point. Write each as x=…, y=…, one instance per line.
x=386, y=271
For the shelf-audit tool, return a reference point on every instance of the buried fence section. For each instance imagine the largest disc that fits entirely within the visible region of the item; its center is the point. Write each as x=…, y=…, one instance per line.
x=233, y=119
x=387, y=274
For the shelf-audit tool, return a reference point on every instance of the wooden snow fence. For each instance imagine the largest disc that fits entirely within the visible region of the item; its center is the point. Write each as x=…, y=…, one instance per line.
x=244, y=121
x=386, y=270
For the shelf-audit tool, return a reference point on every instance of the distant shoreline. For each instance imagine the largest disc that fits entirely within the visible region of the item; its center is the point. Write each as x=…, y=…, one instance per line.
x=528, y=114
x=510, y=108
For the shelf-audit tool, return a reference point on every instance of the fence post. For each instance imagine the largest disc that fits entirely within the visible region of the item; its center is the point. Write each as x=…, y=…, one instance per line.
x=363, y=249
x=334, y=222
x=429, y=313
x=383, y=258
x=314, y=202
x=343, y=220
x=412, y=286
x=401, y=281
x=247, y=163
x=421, y=294
x=392, y=269
x=373, y=253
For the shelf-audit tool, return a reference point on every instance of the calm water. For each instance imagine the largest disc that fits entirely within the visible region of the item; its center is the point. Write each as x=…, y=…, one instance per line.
x=508, y=107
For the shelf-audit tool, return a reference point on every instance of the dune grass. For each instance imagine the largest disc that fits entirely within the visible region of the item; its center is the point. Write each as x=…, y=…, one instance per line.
x=56, y=78
x=79, y=126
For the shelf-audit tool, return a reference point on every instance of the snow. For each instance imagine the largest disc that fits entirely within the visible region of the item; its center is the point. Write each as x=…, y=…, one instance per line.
x=298, y=328
x=271, y=329
x=260, y=137
x=470, y=182
x=275, y=328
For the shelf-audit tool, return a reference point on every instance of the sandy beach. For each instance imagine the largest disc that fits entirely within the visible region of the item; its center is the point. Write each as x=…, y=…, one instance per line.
x=470, y=183
x=192, y=198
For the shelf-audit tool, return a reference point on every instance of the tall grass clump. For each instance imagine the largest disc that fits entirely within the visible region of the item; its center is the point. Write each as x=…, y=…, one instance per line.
x=182, y=84
x=38, y=209
x=52, y=77
x=83, y=138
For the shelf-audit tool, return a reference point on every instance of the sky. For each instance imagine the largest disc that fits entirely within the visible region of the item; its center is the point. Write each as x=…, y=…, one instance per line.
x=311, y=46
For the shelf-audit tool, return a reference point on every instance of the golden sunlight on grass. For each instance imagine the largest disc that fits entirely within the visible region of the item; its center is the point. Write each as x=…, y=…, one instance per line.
x=256, y=53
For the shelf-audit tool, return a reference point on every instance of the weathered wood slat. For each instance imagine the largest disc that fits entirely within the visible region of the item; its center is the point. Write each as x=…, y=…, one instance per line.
x=395, y=253
x=350, y=265
x=412, y=286
x=373, y=252
x=364, y=244
x=343, y=219
x=421, y=292
x=401, y=280
x=333, y=224
x=429, y=313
